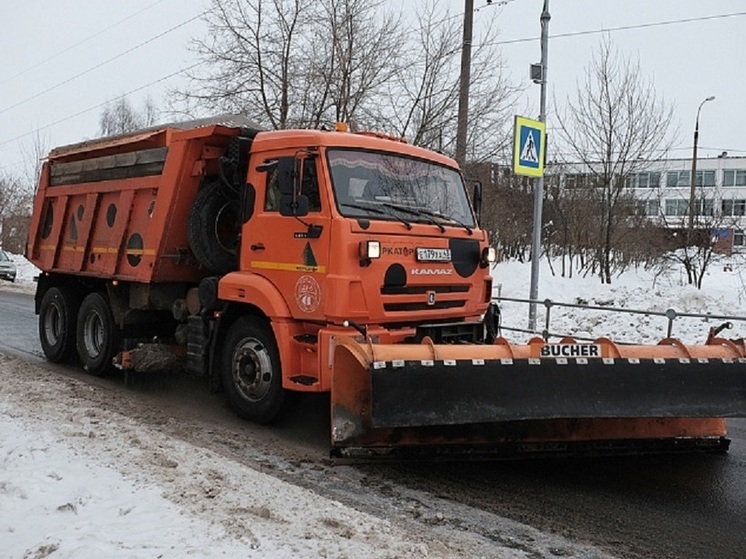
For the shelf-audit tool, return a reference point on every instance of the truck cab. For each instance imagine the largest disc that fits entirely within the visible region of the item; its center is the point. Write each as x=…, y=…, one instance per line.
x=356, y=234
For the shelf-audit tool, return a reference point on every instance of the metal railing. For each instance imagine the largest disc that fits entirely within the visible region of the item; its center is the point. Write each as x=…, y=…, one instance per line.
x=670, y=314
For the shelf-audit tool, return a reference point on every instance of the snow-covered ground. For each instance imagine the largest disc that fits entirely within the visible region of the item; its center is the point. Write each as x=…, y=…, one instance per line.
x=79, y=481
x=723, y=293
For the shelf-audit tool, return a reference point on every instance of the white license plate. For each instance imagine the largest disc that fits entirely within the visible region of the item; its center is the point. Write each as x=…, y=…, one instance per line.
x=433, y=254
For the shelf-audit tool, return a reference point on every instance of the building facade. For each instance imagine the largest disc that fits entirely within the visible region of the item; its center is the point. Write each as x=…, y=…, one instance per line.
x=719, y=196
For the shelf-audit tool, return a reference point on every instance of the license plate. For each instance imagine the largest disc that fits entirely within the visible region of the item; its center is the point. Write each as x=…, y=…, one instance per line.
x=433, y=254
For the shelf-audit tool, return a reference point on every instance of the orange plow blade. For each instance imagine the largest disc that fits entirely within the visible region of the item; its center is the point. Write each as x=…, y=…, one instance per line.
x=507, y=400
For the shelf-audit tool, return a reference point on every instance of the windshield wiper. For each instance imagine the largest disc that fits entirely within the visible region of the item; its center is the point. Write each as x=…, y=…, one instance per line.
x=427, y=213
x=377, y=211
x=419, y=213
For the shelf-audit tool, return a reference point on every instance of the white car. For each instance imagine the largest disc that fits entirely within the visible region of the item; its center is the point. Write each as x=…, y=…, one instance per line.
x=8, y=268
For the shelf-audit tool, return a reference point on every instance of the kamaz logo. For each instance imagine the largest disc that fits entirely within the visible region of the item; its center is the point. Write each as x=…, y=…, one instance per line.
x=431, y=271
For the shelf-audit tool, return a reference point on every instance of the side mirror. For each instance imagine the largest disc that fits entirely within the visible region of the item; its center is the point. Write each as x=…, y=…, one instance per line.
x=288, y=180
x=294, y=205
x=477, y=200
x=286, y=175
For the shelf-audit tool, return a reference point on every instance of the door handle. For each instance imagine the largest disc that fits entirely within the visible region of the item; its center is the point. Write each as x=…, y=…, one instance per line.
x=259, y=246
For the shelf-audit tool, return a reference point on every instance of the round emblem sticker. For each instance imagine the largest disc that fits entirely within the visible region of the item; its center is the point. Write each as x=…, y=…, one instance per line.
x=307, y=294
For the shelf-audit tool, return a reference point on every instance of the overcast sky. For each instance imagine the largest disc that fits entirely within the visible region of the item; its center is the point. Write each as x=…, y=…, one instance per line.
x=64, y=59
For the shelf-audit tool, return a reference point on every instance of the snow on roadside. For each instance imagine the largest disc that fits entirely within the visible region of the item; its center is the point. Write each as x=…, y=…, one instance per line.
x=723, y=293
x=79, y=481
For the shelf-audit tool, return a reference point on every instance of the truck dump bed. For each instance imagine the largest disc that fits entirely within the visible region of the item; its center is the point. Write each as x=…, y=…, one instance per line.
x=117, y=207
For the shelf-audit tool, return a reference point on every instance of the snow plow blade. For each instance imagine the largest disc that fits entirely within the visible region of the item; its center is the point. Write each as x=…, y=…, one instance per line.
x=537, y=396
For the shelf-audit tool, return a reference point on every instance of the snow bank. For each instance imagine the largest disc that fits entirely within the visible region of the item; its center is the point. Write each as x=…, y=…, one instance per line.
x=723, y=293
x=78, y=481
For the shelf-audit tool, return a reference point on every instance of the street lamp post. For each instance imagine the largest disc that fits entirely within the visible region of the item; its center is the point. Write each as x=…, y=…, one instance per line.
x=693, y=178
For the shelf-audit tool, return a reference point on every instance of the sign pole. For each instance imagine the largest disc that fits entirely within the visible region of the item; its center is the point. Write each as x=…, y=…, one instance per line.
x=539, y=185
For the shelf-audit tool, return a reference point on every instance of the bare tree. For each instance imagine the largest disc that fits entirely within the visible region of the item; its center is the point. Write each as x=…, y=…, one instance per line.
x=119, y=116
x=360, y=37
x=695, y=248
x=33, y=158
x=613, y=126
x=423, y=99
x=288, y=63
x=307, y=63
x=16, y=194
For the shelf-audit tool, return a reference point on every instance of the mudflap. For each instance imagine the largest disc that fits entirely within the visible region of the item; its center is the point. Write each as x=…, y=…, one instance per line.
x=395, y=399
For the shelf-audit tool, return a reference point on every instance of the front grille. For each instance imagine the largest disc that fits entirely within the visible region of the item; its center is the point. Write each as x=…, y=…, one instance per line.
x=423, y=306
x=420, y=289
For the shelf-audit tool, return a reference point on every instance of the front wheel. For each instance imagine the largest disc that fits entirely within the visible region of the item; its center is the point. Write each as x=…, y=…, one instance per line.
x=97, y=335
x=250, y=370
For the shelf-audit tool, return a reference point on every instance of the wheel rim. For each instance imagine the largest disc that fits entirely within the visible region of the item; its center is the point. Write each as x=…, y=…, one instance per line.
x=93, y=334
x=251, y=368
x=53, y=324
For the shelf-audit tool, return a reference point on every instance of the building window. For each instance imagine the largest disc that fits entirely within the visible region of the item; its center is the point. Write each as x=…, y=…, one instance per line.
x=681, y=179
x=734, y=177
x=652, y=208
x=678, y=179
x=680, y=207
x=676, y=208
x=576, y=180
x=705, y=207
x=705, y=178
x=643, y=180
x=733, y=207
x=739, y=239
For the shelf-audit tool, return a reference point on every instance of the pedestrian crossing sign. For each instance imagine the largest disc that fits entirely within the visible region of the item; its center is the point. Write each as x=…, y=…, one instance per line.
x=529, y=145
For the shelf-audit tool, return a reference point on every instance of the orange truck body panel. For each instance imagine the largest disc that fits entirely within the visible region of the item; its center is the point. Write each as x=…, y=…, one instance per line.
x=123, y=228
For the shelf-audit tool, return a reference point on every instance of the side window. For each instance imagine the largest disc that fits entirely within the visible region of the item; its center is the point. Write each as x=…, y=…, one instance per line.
x=272, y=199
x=310, y=185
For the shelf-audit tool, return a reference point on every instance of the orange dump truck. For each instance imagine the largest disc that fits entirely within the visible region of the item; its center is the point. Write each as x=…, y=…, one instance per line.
x=347, y=263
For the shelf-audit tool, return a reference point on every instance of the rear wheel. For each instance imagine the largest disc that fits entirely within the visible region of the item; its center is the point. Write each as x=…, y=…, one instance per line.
x=97, y=335
x=57, y=316
x=250, y=370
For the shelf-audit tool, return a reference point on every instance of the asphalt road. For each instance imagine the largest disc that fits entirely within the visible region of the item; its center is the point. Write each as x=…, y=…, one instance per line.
x=684, y=506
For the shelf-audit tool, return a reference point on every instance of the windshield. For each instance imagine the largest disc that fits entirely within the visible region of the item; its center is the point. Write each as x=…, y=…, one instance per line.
x=387, y=186
x=3, y=256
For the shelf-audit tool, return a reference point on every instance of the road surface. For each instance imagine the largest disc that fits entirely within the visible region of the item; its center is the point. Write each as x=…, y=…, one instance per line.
x=632, y=507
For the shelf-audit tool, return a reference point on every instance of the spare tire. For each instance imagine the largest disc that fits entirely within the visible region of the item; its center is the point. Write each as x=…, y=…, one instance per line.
x=214, y=227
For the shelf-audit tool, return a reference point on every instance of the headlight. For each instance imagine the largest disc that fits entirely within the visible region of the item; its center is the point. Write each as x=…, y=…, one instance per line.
x=489, y=255
x=370, y=250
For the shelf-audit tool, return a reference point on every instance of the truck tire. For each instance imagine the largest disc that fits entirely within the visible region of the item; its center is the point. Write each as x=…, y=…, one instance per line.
x=214, y=226
x=250, y=371
x=57, y=317
x=97, y=335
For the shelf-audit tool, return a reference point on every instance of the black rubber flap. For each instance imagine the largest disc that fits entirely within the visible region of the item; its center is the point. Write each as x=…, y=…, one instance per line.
x=414, y=393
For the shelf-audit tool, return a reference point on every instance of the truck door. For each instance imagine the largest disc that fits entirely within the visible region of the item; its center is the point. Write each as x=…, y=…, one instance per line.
x=292, y=252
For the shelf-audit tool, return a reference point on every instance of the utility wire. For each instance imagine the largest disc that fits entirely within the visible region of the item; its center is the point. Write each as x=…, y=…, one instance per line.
x=71, y=47
x=108, y=61
x=89, y=109
x=619, y=28
x=511, y=41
